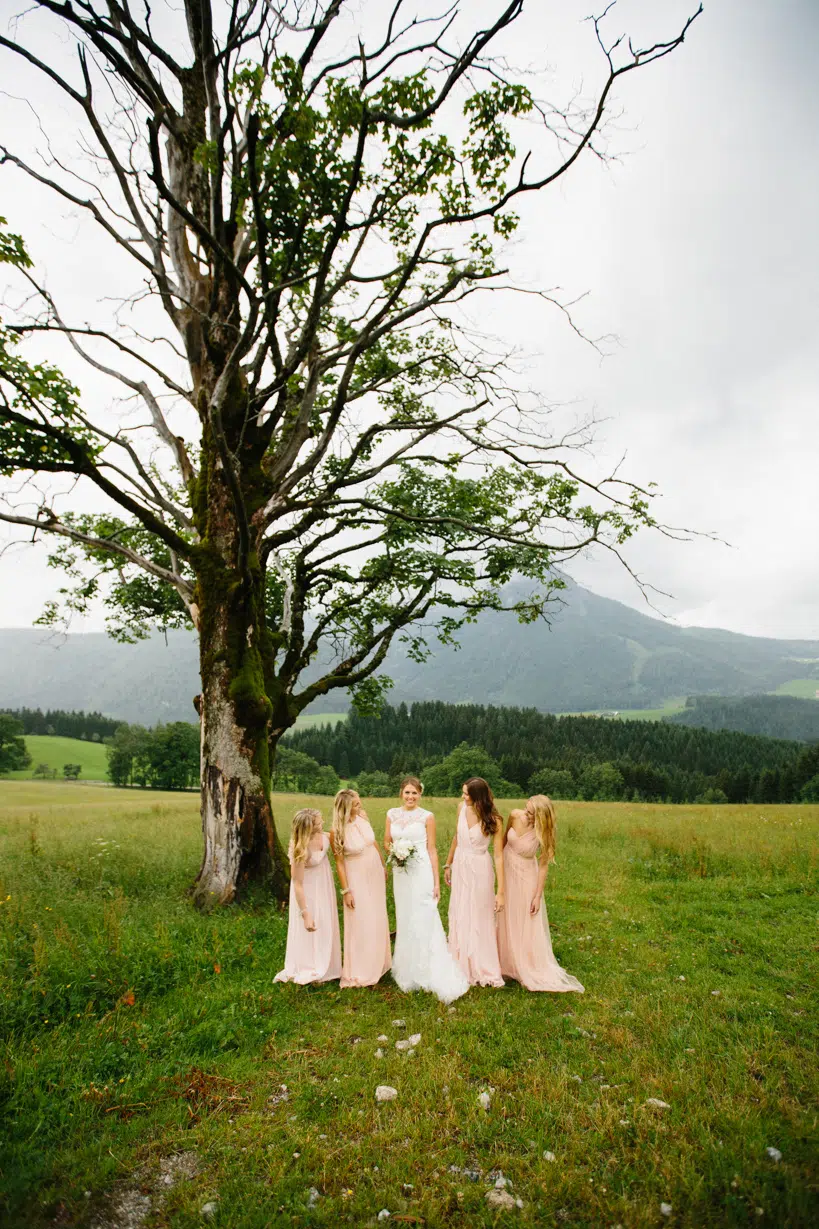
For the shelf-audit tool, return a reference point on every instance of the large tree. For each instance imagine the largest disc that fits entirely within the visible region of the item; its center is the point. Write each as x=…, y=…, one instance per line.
x=331, y=457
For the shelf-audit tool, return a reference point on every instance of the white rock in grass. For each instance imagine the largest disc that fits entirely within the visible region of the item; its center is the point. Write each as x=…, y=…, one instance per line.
x=384, y=1214
x=415, y=1039
x=451, y=1011
x=384, y=1093
x=379, y=1053
x=715, y=994
x=549, y=1156
x=402, y=1045
x=383, y=1037
x=484, y=1100
x=313, y=1196
x=410, y=1052
x=399, y=1024
x=209, y=1210
x=518, y=1203
x=774, y=1154
x=501, y=1200
x=501, y=1182
x=666, y=1209
x=656, y=1104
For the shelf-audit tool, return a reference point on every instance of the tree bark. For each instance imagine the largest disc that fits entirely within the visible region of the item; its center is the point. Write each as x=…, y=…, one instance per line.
x=241, y=845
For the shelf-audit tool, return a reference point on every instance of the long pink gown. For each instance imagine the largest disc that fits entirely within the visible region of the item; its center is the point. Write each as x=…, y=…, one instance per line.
x=366, y=927
x=473, y=937
x=523, y=939
x=314, y=955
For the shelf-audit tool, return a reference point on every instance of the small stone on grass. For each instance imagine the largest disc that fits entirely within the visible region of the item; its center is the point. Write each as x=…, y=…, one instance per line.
x=666, y=1209
x=774, y=1154
x=501, y=1200
x=385, y=1093
x=549, y=1156
x=209, y=1210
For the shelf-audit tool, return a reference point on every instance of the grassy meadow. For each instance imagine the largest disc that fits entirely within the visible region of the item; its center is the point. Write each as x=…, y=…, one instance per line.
x=151, y=1066
x=55, y=751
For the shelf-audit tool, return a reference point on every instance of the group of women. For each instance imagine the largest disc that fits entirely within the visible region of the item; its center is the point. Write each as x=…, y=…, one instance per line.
x=497, y=922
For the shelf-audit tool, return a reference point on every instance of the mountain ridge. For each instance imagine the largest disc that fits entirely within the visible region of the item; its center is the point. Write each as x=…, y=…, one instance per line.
x=594, y=654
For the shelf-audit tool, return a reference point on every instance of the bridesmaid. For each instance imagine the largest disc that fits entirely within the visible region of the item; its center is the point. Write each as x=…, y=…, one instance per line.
x=473, y=904
x=313, y=940
x=362, y=875
x=523, y=935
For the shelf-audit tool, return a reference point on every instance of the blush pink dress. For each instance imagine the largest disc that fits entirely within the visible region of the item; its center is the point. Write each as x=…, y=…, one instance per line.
x=314, y=955
x=366, y=928
x=473, y=937
x=523, y=939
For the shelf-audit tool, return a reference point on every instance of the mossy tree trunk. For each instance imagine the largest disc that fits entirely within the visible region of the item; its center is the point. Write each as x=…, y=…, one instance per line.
x=237, y=703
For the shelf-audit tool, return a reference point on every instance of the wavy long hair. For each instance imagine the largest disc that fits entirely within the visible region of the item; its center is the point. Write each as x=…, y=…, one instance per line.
x=343, y=806
x=301, y=831
x=545, y=825
x=483, y=804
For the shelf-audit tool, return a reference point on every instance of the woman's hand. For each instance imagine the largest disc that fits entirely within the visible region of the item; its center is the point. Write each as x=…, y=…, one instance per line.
x=307, y=918
x=349, y=900
x=448, y=876
x=436, y=890
x=534, y=908
x=499, y=903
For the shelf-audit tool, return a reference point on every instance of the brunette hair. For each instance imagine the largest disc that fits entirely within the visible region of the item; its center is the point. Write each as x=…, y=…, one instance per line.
x=411, y=781
x=544, y=824
x=483, y=803
x=302, y=830
x=343, y=805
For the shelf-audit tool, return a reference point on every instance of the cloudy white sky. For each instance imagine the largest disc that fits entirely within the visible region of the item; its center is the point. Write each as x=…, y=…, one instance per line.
x=699, y=251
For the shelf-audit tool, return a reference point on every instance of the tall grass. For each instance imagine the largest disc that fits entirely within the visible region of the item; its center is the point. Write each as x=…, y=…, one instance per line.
x=134, y=1028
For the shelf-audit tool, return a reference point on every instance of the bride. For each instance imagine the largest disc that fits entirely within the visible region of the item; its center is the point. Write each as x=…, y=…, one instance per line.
x=421, y=960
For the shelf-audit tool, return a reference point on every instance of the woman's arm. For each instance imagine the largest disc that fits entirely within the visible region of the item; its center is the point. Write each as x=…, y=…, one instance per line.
x=387, y=833
x=500, y=869
x=297, y=872
x=432, y=849
x=341, y=867
x=542, y=872
x=449, y=857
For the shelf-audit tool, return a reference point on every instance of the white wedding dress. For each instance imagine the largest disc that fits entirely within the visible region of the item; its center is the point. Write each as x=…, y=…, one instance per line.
x=421, y=960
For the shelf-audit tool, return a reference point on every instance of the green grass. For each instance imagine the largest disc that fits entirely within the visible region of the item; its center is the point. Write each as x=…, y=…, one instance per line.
x=674, y=704
x=806, y=689
x=54, y=751
x=135, y=1029
x=308, y=720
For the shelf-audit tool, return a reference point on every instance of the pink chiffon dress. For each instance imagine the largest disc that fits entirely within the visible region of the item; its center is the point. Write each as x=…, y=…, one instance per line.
x=523, y=938
x=473, y=939
x=314, y=955
x=366, y=927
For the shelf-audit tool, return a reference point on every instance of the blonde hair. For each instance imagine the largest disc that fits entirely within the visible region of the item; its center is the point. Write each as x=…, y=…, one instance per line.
x=301, y=832
x=343, y=805
x=544, y=823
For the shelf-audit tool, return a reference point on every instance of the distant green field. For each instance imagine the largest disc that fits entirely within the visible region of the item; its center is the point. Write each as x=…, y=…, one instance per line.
x=674, y=705
x=806, y=689
x=306, y=720
x=55, y=752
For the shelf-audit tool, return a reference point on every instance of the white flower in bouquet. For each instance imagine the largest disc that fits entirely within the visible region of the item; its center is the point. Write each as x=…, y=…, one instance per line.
x=401, y=852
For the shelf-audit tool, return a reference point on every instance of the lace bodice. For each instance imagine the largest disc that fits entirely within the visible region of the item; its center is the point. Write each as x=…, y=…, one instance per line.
x=406, y=822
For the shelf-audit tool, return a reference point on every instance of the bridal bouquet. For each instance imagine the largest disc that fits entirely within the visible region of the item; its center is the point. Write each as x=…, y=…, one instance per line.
x=401, y=852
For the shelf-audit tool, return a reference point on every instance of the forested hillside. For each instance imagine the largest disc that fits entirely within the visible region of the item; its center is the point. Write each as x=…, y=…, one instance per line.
x=647, y=760
x=771, y=716
x=91, y=726
x=596, y=654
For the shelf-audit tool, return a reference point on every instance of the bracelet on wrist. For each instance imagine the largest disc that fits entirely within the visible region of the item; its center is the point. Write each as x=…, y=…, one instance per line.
x=344, y=891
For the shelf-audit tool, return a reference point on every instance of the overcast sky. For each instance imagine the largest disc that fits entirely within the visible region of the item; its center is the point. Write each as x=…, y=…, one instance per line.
x=700, y=251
